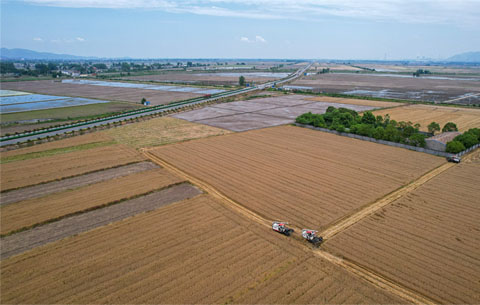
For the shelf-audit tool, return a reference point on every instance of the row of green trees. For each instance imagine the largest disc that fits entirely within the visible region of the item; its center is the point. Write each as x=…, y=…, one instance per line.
x=369, y=125
x=464, y=141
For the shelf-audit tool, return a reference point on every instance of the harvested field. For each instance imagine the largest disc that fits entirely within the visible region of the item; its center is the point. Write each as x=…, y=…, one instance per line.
x=74, y=182
x=147, y=259
x=40, y=170
x=70, y=226
x=105, y=93
x=298, y=175
x=69, y=142
x=35, y=211
x=352, y=101
x=203, y=78
x=388, y=86
x=425, y=114
x=161, y=131
x=427, y=240
x=261, y=112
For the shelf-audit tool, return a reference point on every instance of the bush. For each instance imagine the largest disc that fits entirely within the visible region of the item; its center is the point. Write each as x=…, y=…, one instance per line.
x=369, y=118
x=467, y=139
x=340, y=128
x=379, y=133
x=455, y=147
x=450, y=126
x=417, y=139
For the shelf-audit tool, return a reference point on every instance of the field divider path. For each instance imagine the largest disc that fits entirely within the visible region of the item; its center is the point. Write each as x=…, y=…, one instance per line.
x=375, y=279
x=351, y=267
x=371, y=208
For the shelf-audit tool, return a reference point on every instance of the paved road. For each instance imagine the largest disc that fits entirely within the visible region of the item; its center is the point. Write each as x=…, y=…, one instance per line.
x=137, y=115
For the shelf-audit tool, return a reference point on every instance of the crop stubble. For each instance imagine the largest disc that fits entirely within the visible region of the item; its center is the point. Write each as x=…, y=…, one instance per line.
x=155, y=258
x=425, y=114
x=37, y=210
x=39, y=170
x=427, y=240
x=306, y=177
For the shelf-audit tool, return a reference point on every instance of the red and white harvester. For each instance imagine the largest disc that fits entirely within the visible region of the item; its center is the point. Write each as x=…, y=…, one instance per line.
x=280, y=227
x=311, y=236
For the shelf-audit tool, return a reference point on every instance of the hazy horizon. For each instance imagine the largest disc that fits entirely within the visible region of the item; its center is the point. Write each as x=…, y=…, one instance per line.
x=305, y=29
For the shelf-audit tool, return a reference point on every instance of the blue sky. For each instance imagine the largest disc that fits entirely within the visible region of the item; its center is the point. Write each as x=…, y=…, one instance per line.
x=332, y=29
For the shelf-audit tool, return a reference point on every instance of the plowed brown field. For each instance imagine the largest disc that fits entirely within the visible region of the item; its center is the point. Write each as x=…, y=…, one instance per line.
x=307, y=177
x=425, y=114
x=34, y=171
x=37, y=210
x=193, y=252
x=428, y=240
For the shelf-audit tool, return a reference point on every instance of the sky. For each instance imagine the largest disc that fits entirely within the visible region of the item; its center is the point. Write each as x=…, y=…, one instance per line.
x=293, y=29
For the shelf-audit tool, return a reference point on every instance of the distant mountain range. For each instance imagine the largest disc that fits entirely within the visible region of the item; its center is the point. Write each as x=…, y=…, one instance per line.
x=466, y=57
x=19, y=54
x=33, y=55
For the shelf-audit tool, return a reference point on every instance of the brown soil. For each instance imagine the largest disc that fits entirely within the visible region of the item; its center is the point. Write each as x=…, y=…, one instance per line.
x=39, y=210
x=195, y=251
x=74, y=182
x=23, y=241
x=298, y=175
x=426, y=240
x=156, y=97
x=425, y=114
x=34, y=171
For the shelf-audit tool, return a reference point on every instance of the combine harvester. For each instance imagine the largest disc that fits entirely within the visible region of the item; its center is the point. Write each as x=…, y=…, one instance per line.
x=311, y=236
x=281, y=228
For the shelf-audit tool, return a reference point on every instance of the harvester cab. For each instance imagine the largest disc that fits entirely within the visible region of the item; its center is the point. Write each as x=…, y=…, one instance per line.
x=281, y=227
x=311, y=236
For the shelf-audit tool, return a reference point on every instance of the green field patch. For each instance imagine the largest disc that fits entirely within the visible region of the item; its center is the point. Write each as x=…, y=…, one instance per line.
x=55, y=151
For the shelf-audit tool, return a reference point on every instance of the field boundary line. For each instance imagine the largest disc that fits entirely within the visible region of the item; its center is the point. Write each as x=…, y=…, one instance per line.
x=208, y=189
x=370, y=209
x=362, y=273
x=375, y=279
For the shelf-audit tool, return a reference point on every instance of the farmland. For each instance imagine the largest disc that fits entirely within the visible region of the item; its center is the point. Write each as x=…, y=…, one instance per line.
x=226, y=78
x=265, y=171
x=394, y=86
x=40, y=170
x=161, y=131
x=425, y=114
x=133, y=95
x=268, y=111
x=34, y=211
x=150, y=258
x=426, y=240
x=352, y=101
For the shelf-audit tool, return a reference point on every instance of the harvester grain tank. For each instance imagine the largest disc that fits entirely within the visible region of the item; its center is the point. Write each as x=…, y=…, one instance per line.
x=311, y=236
x=281, y=227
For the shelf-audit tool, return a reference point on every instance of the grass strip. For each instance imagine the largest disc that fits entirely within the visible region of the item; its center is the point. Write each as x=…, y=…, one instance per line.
x=90, y=209
x=55, y=151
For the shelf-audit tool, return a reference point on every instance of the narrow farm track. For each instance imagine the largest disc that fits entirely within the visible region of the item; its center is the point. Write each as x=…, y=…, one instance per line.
x=375, y=279
x=361, y=272
x=375, y=206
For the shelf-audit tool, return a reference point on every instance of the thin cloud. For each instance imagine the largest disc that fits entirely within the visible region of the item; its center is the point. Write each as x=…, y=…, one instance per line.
x=405, y=11
x=260, y=39
x=245, y=39
x=80, y=39
x=38, y=39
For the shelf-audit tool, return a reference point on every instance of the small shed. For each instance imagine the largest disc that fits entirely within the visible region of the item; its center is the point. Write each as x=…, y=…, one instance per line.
x=439, y=141
x=146, y=103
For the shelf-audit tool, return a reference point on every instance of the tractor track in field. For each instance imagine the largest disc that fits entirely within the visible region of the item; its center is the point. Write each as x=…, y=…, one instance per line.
x=365, y=274
x=371, y=208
